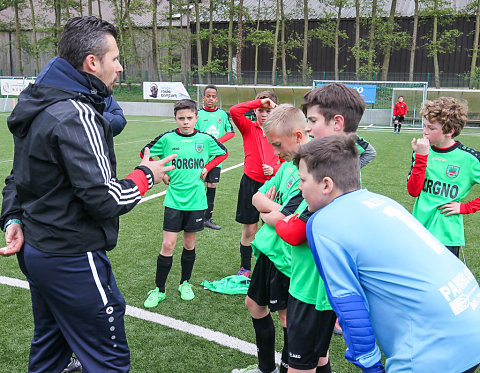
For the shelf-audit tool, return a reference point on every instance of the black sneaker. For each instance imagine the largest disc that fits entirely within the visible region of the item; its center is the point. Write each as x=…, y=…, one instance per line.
x=211, y=224
x=73, y=366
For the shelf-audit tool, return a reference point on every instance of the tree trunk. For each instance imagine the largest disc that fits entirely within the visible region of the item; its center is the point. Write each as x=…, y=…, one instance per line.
x=119, y=16
x=210, y=39
x=284, y=52
x=414, y=42
x=89, y=2
x=189, y=41
x=239, y=42
x=133, y=40
x=388, y=49
x=35, y=46
x=155, y=40
x=230, y=36
x=199, y=42
x=255, y=74
x=305, y=42
x=275, y=44
x=99, y=9
x=436, y=69
x=337, y=29
x=475, y=46
x=371, y=36
x=58, y=21
x=17, y=38
x=357, y=35
x=170, y=46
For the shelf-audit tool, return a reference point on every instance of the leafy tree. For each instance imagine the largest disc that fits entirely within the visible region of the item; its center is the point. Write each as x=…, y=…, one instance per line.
x=414, y=41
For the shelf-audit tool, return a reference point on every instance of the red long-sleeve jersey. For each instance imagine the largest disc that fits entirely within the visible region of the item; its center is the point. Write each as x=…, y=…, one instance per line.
x=400, y=109
x=256, y=147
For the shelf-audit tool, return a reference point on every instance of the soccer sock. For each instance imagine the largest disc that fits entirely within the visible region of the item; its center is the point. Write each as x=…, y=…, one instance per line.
x=210, y=202
x=399, y=126
x=284, y=361
x=246, y=257
x=265, y=339
x=188, y=259
x=164, y=264
x=324, y=368
x=394, y=127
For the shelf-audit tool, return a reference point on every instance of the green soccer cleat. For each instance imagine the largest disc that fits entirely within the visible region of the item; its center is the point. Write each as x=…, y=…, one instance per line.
x=186, y=292
x=154, y=297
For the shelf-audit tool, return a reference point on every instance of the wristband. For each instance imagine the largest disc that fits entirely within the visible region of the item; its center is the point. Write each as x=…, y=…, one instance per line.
x=11, y=221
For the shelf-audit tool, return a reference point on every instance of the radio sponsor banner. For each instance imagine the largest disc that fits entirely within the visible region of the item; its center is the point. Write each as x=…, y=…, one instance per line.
x=13, y=87
x=164, y=91
x=367, y=91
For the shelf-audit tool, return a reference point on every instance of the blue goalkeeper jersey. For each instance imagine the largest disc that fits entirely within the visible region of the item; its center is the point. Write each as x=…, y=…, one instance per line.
x=389, y=280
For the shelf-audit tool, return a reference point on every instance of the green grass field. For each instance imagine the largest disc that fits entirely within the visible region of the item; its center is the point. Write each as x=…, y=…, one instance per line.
x=157, y=348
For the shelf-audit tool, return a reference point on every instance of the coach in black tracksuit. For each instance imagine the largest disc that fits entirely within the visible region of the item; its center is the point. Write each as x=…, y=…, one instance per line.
x=62, y=200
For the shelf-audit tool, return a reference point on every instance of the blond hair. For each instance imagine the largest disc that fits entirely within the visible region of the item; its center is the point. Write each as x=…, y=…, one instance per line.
x=285, y=119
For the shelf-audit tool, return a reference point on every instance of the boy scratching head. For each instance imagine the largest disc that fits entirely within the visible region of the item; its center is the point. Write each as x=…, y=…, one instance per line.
x=210, y=96
x=332, y=109
x=285, y=130
x=269, y=102
x=328, y=167
x=186, y=115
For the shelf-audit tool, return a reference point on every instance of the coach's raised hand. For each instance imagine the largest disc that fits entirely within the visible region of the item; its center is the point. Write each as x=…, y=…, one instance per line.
x=158, y=168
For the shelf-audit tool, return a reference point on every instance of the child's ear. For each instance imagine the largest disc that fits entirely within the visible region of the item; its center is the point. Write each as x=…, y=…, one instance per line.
x=339, y=123
x=328, y=185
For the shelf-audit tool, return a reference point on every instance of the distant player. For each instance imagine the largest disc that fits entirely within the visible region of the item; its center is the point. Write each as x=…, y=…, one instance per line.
x=185, y=202
x=443, y=172
x=387, y=278
x=215, y=122
x=399, y=112
x=260, y=165
x=277, y=198
x=114, y=114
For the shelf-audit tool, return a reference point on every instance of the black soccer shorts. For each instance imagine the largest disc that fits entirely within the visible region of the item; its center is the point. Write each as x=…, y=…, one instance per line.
x=179, y=220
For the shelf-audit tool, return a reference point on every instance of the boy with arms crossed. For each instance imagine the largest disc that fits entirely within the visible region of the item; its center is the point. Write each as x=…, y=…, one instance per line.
x=330, y=109
x=443, y=172
x=388, y=280
x=215, y=122
x=276, y=199
x=185, y=202
x=260, y=165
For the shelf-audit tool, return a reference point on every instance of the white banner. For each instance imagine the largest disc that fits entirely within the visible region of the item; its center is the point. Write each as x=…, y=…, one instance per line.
x=13, y=87
x=164, y=91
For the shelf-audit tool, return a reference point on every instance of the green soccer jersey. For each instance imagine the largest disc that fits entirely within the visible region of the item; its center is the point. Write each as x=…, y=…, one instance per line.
x=186, y=190
x=267, y=240
x=306, y=284
x=450, y=175
x=215, y=123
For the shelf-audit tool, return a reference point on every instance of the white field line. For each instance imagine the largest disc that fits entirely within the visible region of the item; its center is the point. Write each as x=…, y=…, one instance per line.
x=7, y=160
x=182, y=326
x=165, y=192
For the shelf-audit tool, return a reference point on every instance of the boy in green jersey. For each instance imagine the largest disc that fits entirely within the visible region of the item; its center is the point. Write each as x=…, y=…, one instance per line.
x=276, y=199
x=185, y=202
x=215, y=122
x=443, y=172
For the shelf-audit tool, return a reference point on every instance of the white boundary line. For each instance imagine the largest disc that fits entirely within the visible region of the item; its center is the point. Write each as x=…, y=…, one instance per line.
x=199, y=331
x=165, y=192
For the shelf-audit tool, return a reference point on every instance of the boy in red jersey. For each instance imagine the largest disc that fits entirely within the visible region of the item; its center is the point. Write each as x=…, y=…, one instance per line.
x=399, y=112
x=260, y=164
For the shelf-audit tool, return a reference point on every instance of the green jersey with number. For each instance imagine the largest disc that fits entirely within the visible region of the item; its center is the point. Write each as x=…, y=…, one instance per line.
x=287, y=194
x=186, y=190
x=306, y=284
x=214, y=122
x=450, y=175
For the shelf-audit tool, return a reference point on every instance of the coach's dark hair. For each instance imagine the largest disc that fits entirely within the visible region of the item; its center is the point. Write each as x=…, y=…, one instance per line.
x=267, y=94
x=335, y=157
x=210, y=86
x=336, y=99
x=83, y=36
x=185, y=104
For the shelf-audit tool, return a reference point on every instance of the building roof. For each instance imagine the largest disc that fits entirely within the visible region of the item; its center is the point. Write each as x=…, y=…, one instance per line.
x=293, y=9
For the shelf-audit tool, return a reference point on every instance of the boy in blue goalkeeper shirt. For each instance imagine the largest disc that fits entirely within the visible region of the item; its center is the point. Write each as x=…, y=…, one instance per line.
x=388, y=280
